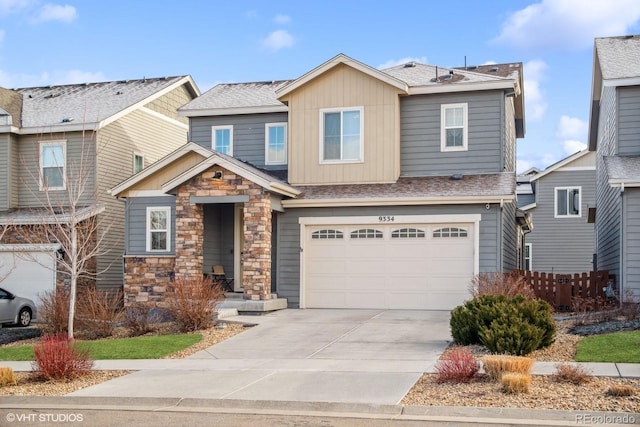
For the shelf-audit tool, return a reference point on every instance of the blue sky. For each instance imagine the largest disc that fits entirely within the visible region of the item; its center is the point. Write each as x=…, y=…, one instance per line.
x=78, y=41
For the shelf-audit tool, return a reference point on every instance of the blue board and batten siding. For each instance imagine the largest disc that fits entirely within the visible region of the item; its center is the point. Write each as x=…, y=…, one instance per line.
x=288, y=245
x=420, y=130
x=628, y=121
x=136, y=224
x=248, y=134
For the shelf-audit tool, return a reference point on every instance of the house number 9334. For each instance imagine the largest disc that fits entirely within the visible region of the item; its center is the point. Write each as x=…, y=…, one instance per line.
x=386, y=218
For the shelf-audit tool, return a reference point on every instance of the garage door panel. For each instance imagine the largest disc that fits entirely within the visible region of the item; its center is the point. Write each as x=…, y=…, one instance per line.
x=28, y=273
x=413, y=270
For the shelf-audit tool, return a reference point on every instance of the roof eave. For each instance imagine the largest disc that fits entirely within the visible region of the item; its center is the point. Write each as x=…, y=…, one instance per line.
x=233, y=111
x=463, y=87
x=622, y=183
x=396, y=201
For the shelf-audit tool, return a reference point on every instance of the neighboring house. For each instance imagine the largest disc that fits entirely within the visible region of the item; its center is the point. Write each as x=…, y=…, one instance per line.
x=558, y=199
x=117, y=128
x=349, y=187
x=615, y=137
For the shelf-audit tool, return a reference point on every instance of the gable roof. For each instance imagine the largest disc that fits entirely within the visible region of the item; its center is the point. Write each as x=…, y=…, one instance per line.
x=335, y=61
x=564, y=163
x=210, y=158
x=237, y=98
x=10, y=108
x=616, y=62
x=90, y=106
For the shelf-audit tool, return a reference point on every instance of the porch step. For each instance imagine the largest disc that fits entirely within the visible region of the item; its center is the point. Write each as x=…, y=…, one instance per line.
x=224, y=313
x=243, y=306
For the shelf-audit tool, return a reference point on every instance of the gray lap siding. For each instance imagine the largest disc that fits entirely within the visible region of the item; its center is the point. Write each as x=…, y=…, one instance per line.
x=136, y=224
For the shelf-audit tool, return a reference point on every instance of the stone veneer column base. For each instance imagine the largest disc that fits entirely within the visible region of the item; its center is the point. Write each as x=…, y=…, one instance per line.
x=146, y=279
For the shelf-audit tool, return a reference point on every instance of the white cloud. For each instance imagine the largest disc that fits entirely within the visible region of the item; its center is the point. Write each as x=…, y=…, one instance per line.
x=282, y=19
x=55, y=12
x=393, y=62
x=489, y=62
x=11, y=6
x=571, y=24
x=571, y=127
x=536, y=104
x=278, y=40
x=572, y=146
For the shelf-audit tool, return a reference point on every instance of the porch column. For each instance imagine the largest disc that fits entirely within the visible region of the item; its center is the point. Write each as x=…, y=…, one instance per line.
x=256, y=257
x=189, y=236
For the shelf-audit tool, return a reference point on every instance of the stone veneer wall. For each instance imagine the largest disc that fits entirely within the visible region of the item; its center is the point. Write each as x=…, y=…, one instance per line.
x=189, y=240
x=146, y=280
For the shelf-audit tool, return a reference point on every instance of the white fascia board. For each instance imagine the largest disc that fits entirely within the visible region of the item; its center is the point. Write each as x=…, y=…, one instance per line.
x=624, y=182
x=38, y=247
x=160, y=164
x=528, y=207
x=629, y=81
x=75, y=127
x=462, y=87
x=148, y=193
x=395, y=201
x=233, y=111
x=397, y=219
x=562, y=163
x=9, y=129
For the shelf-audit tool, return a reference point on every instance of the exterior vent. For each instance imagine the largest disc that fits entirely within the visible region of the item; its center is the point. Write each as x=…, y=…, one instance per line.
x=67, y=120
x=410, y=65
x=457, y=177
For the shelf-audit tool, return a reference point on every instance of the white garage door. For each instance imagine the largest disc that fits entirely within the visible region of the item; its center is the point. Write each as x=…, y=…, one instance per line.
x=391, y=266
x=27, y=271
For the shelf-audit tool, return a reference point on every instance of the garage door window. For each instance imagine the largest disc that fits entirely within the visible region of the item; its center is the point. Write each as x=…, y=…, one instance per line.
x=366, y=233
x=327, y=234
x=450, y=232
x=408, y=233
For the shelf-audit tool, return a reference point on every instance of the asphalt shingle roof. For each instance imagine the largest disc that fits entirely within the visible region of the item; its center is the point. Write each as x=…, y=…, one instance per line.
x=623, y=167
x=238, y=95
x=85, y=103
x=490, y=185
x=619, y=57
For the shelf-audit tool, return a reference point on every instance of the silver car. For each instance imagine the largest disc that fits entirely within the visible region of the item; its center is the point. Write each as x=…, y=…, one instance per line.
x=16, y=310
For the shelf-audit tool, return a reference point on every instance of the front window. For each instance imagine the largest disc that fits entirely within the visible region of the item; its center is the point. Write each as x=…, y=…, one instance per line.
x=276, y=143
x=222, y=139
x=138, y=163
x=52, y=165
x=158, y=229
x=341, y=135
x=528, y=256
x=568, y=202
x=454, y=127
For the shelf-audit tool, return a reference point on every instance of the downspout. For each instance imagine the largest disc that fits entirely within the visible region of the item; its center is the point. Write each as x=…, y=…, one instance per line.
x=621, y=251
x=500, y=266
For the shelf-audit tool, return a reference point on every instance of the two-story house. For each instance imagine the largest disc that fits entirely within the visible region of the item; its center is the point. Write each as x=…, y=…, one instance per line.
x=349, y=187
x=64, y=146
x=558, y=199
x=614, y=135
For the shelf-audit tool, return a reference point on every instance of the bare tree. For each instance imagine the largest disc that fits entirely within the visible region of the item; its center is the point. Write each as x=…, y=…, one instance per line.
x=68, y=212
x=5, y=270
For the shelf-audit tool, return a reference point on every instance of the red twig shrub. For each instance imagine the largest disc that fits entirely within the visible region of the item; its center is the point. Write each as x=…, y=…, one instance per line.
x=58, y=358
x=192, y=302
x=507, y=284
x=458, y=365
x=53, y=312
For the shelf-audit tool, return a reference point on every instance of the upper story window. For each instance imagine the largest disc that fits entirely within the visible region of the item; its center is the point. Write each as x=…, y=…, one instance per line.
x=52, y=165
x=138, y=162
x=276, y=143
x=158, y=229
x=222, y=139
x=568, y=202
x=454, y=127
x=341, y=135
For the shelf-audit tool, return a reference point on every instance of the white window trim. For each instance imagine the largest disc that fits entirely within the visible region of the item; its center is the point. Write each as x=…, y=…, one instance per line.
x=134, y=161
x=555, y=202
x=321, y=132
x=63, y=143
x=465, y=130
x=213, y=137
x=166, y=209
x=530, y=257
x=267, y=126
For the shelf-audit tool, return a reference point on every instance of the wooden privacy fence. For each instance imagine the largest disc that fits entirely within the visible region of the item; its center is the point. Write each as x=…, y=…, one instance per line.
x=565, y=291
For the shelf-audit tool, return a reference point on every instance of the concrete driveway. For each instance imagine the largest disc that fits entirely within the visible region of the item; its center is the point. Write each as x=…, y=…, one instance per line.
x=352, y=356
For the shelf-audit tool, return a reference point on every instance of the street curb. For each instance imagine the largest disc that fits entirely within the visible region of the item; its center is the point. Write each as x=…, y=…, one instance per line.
x=450, y=414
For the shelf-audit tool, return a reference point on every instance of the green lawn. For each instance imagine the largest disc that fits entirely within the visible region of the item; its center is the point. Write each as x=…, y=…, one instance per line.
x=150, y=347
x=618, y=347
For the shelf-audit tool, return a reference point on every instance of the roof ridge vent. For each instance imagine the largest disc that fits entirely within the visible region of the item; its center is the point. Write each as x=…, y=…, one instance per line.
x=411, y=64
